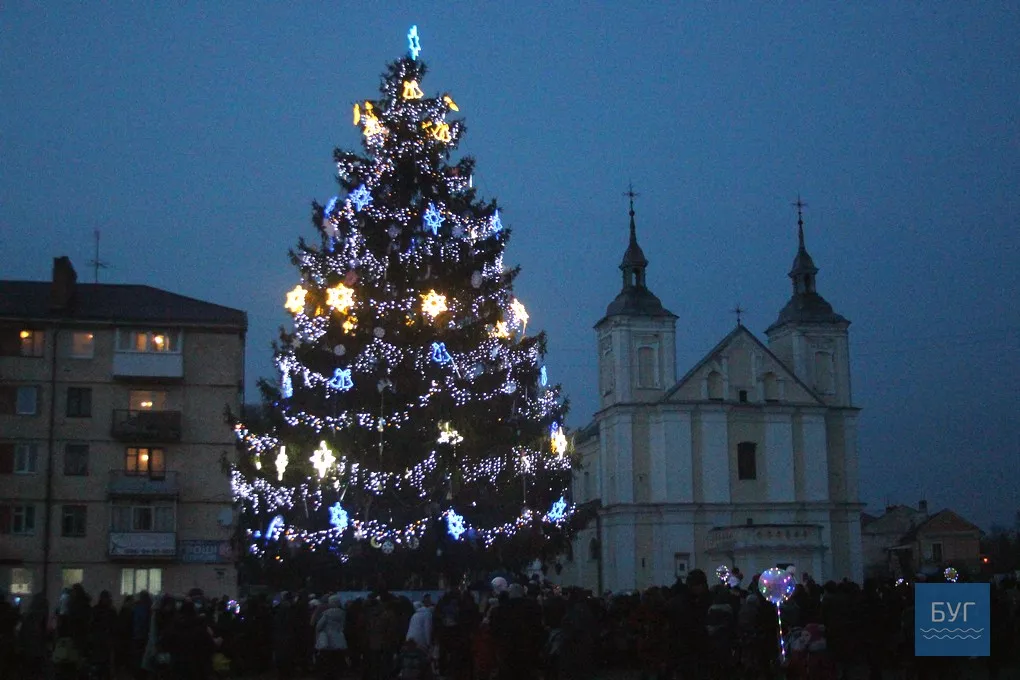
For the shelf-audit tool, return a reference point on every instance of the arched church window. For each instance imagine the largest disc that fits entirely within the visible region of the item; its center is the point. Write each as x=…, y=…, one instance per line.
x=647, y=360
x=823, y=372
x=771, y=387
x=715, y=386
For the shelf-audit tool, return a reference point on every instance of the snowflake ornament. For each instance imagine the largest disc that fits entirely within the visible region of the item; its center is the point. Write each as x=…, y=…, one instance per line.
x=455, y=524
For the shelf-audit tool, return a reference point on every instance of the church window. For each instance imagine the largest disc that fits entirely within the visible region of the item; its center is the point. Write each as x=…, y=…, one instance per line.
x=747, y=467
x=823, y=372
x=715, y=386
x=606, y=377
x=593, y=549
x=647, y=369
x=743, y=396
x=771, y=387
x=680, y=564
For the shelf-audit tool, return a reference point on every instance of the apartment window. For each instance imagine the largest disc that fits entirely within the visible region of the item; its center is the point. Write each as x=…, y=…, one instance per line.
x=21, y=581
x=26, y=457
x=147, y=400
x=134, y=580
x=936, y=552
x=17, y=519
x=145, y=461
x=73, y=520
x=83, y=345
x=79, y=402
x=76, y=460
x=131, y=518
x=742, y=396
x=168, y=342
x=22, y=400
x=747, y=466
x=32, y=343
x=71, y=577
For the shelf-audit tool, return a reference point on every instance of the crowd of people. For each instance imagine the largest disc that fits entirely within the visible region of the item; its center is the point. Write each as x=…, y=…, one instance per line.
x=516, y=630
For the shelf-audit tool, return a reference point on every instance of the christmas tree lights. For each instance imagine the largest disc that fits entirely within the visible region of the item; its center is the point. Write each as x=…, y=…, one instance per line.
x=440, y=420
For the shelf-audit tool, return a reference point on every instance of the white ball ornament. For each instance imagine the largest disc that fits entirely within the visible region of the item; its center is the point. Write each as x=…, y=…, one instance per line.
x=476, y=280
x=387, y=547
x=379, y=332
x=393, y=232
x=339, y=350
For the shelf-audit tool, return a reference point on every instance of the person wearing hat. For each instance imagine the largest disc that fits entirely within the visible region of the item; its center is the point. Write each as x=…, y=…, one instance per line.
x=330, y=642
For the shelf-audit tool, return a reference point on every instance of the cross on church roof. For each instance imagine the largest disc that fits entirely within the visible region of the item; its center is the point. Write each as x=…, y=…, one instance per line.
x=800, y=205
x=632, y=195
x=738, y=310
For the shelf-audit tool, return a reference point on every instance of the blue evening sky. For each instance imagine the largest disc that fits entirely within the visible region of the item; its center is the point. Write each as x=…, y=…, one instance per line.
x=195, y=137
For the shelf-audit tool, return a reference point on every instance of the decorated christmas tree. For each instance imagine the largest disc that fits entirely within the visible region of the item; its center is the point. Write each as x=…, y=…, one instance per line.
x=413, y=416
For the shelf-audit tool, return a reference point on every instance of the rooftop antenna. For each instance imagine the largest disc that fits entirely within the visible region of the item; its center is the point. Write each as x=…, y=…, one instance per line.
x=96, y=263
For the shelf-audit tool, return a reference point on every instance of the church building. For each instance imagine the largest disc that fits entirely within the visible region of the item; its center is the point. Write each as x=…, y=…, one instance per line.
x=749, y=460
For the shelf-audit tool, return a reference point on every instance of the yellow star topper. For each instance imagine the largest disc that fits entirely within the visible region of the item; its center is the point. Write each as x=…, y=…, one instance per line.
x=323, y=459
x=449, y=102
x=411, y=90
x=296, y=300
x=448, y=435
x=433, y=304
x=520, y=314
x=340, y=297
x=281, y=463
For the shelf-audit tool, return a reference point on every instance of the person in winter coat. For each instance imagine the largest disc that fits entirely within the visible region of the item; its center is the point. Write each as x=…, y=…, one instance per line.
x=32, y=637
x=102, y=636
x=330, y=641
x=420, y=627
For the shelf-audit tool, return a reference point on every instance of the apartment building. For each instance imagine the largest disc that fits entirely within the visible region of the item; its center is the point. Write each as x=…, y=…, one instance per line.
x=113, y=439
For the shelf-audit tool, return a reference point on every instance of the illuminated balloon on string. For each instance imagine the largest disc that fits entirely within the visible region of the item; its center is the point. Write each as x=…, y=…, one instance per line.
x=776, y=585
x=722, y=572
x=951, y=574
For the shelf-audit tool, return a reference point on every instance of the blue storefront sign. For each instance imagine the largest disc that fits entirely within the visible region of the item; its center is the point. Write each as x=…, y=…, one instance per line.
x=951, y=619
x=205, y=552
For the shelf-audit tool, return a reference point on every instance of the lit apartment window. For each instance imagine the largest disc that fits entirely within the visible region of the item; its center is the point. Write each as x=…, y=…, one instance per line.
x=26, y=457
x=83, y=345
x=70, y=577
x=145, y=461
x=22, y=400
x=134, y=580
x=74, y=519
x=79, y=402
x=132, y=518
x=76, y=460
x=147, y=400
x=32, y=343
x=149, y=341
x=21, y=581
x=17, y=519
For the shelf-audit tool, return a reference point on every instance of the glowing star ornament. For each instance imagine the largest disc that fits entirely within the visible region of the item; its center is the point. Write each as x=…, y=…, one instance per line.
x=360, y=197
x=296, y=300
x=340, y=297
x=558, y=440
x=439, y=353
x=341, y=380
x=281, y=463
x=323, y=459
x=413, y=43
x=411, y=90
x=454, y=524
x=433, y=219
x=520, y=314
x=558, y=511
x=449, y=102
x=448, y=435
x=338, y=517
x=433, y=304
x=495, y=222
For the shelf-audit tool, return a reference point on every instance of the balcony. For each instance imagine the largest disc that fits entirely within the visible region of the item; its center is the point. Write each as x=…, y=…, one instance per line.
x=143, y=544
x=146, y=426
x=765, y=536
x=123, y=484
x=148, y=365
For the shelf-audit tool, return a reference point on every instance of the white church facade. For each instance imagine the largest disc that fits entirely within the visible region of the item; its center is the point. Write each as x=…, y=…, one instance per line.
x=748, y=460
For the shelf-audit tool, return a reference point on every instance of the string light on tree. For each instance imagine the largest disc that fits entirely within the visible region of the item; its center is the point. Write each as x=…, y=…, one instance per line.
x=296, y=300
x=323, y=459
x=448, y=435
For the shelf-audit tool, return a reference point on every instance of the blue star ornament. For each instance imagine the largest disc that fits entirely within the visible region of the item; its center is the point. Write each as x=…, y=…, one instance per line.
x=559, y=509
x=439, y=353
x=338, y=517
x=360, y=197
x=455, y=525
x=341, y=380
x=433, y=219
x=413, y=42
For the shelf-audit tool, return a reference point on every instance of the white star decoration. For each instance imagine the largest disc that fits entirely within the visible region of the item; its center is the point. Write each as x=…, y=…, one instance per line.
x=558, y=440
x=323, y=459
x=559, y=509
x=338, y=517
x=448, y=435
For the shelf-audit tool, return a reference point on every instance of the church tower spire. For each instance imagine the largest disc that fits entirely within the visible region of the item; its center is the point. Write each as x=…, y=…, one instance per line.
x=809, y=336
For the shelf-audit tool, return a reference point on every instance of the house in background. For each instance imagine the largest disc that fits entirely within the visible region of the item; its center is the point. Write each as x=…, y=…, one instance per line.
x=905, y=542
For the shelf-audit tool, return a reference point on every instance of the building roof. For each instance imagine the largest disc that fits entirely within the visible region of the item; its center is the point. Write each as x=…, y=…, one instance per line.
x=635, y=299
x=121, y=303
x=942, y=522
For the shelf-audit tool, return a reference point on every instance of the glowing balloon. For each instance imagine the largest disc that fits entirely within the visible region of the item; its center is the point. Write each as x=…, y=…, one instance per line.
x=951, y=574
x=722, y=572
x=776, y=585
